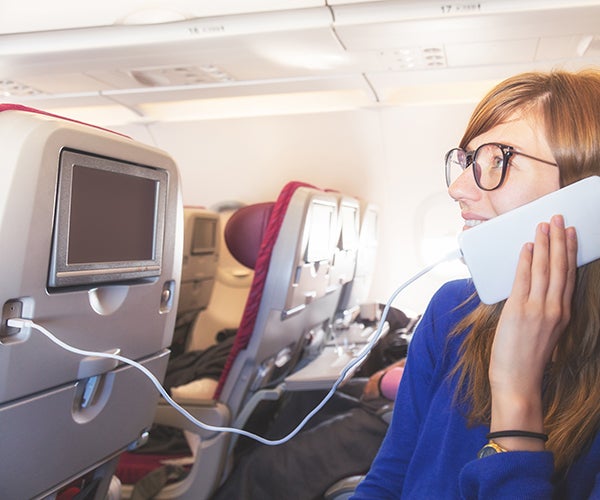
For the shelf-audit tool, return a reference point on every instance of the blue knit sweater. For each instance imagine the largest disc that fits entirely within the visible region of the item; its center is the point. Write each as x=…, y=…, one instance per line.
x=429, y=453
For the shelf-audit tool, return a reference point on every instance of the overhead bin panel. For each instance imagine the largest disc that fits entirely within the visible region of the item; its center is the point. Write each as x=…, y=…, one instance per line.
x=263, y=87
x=274, y=97
x=217, y=32
x=16, y=17
x=210, y=50
x=410, y=48
x=398, y=24
x=260, y=98
x=387, y=46
x=349, y=12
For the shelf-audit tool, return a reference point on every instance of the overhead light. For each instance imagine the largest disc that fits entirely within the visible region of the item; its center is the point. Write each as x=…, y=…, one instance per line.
x=257, y=105
x=219, y=108
x=436, y=93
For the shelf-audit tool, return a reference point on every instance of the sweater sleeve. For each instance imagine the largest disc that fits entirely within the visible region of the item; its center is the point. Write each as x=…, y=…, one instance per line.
x=386, y=476
x=528, y=474
x=516, y=474
x=429, y=450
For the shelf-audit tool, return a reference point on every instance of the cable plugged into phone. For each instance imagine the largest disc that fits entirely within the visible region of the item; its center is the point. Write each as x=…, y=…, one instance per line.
x=27, y=323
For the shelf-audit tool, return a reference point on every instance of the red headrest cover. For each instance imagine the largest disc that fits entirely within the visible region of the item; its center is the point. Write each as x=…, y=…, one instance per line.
x=245, y=230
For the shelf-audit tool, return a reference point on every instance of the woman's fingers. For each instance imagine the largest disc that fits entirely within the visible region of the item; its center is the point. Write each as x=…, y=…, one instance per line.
x=553, y=270
x=541, y=263
x=540, y=301
x=522, y=282
x=571, y=236
x=546, y=269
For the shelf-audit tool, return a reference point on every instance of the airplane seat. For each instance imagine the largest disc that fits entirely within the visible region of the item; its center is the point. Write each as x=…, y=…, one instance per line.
x=243, y=235
x=292, y=288
x=357, y=291
x=242, y=238
x=91, y=240
x=355, y=313
x=201, y=250
x=355, y=294
x=230, y=290
x=290, y=305
x=345, y=258
x=341, y=273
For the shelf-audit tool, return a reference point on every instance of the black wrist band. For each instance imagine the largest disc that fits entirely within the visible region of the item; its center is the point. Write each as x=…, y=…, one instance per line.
x=526, y=434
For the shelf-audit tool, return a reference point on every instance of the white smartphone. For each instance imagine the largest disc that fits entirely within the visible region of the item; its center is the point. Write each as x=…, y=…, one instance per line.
x=491, y=250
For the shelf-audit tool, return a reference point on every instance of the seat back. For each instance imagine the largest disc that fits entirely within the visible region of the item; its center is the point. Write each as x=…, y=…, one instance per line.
x=345, y=256
x=289, y=244
x=201, y=249
x=356, y=292
x=90, y=248
x=229, y=294
x=290, y=294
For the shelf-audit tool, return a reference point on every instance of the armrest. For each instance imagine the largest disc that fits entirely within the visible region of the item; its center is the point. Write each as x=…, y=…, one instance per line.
x=210, y=451
x=208, y=411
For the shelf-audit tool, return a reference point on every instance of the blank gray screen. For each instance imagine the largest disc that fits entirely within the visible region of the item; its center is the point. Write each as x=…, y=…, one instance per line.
x=112, y=217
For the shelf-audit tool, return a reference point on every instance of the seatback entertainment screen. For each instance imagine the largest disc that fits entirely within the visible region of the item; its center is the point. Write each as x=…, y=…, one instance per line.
x=109, y=221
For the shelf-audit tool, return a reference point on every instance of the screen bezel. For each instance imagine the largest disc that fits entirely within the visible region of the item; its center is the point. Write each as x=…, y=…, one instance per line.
x=65, y=274
x=349, y=231
x=203, y=249
x=320, y=229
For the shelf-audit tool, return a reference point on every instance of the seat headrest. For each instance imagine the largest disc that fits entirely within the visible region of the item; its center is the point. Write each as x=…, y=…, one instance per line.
x=245, y=230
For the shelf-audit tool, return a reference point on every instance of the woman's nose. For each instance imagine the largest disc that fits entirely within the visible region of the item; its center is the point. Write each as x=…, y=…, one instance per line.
x=464, y=185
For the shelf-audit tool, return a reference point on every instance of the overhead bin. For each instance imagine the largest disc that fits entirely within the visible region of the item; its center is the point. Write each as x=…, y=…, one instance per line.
x=61, y=15
x=380, y=49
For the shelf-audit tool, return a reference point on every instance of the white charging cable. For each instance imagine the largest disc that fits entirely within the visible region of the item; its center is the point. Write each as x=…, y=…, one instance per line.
x=27, y=323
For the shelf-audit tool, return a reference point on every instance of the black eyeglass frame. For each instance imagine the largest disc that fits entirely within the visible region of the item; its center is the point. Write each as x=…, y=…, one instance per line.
x=507, y=153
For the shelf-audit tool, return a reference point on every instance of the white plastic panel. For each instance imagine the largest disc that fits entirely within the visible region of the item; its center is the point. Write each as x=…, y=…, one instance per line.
x=16, y=17
x=40, y=428
x=235, y=48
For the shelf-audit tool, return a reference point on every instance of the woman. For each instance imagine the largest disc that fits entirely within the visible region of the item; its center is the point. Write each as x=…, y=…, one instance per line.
x=503, y=401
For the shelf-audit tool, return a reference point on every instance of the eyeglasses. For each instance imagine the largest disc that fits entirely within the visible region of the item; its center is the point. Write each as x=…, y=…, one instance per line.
x=489, y=162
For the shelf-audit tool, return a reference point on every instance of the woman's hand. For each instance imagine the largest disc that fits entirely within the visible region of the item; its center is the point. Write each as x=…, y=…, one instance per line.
x=533, y=318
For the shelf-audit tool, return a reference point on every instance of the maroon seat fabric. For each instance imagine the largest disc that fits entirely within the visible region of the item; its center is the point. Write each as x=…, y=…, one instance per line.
x=245, y=231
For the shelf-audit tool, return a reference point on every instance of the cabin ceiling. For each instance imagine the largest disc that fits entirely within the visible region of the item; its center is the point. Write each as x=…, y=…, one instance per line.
x=147, y=58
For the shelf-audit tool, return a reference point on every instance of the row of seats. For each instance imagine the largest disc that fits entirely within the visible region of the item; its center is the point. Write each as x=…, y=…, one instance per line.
x=304, y=250
x=301, y=263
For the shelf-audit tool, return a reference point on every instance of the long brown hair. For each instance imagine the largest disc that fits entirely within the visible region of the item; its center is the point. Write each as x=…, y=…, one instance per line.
x=568, y=105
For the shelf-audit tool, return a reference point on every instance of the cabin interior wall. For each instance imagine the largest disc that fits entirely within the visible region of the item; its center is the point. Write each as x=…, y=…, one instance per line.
x=389, y=155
